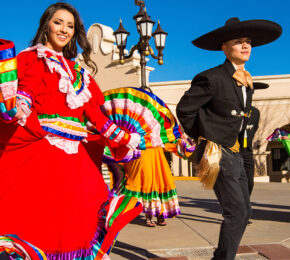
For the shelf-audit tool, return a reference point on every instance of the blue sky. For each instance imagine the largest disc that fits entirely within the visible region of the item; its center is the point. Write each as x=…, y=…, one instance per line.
x=184, y=20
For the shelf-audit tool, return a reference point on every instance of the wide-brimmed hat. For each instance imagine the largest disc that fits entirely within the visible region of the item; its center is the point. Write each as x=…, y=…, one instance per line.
x=260, y=85
x=259, y=31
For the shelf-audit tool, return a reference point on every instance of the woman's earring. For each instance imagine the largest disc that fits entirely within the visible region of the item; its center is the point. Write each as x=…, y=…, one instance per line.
x=45, y=38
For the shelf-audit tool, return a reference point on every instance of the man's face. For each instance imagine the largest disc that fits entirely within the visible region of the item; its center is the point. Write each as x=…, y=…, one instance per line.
x=238, y=51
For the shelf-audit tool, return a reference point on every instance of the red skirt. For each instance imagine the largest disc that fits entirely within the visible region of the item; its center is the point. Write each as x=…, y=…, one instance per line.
x=48, y=197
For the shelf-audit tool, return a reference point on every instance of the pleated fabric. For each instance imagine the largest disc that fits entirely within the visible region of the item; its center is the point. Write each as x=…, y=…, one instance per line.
x=149, y=179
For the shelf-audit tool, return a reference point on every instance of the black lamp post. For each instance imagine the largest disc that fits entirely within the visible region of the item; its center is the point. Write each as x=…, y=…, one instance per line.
x=144, y=27
x=160, y=39
x=121, y=39
x=139, y=16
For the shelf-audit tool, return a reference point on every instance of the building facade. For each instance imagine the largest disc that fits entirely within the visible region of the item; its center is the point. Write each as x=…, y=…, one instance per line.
x=274, y=103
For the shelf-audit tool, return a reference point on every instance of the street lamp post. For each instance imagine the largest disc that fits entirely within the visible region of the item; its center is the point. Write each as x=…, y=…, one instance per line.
x=144, y=28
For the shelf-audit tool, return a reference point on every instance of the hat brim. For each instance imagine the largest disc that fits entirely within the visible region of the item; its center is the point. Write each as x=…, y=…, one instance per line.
x=260, y=85
x=259, y=31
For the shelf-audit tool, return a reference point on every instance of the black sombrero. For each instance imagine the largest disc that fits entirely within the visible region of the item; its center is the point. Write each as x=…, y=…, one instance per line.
x=260, y=85
x=259, y=31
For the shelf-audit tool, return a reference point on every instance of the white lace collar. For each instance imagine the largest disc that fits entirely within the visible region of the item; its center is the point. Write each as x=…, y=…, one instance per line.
x=73, y=99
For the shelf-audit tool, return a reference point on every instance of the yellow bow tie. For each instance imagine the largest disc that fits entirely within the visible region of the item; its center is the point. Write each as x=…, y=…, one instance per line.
x=243, y=78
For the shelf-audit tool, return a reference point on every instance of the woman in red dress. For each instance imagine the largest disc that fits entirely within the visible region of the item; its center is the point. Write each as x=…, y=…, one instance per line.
x=51, y=193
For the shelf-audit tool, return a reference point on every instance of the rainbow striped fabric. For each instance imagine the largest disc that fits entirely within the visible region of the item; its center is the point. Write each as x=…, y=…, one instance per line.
x=182, y=148
x=139, y=111
x=8, y=79
x=17, y=248
x=79, y=82
x=68, y=127
x=155, y=203
x=130, y=156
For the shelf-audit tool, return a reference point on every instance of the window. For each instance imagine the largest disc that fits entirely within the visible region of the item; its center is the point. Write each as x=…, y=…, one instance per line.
x=280, y=159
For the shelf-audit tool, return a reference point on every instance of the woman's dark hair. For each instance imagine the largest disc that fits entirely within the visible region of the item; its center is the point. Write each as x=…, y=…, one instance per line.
x=70, y=50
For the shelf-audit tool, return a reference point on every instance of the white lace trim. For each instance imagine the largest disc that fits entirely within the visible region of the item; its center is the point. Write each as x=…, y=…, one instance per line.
x=134, y=141
x=106, y=257
x=26, y=110
x=65, y=86
x=22, y=121
x=70, y=147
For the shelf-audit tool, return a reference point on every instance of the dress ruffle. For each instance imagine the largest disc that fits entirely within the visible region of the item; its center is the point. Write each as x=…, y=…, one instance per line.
x=65, y=86
x=150, y=180
x=156, y=204
x=113, y=216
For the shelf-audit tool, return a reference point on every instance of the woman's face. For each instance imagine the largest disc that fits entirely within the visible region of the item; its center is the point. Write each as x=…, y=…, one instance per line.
x=61, y=28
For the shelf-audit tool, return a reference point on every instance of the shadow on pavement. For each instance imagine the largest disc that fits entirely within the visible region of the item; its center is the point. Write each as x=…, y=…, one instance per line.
x=140, y=220
x=212, y=205
x=199, y=218
x=270, y=206
x=131, y=252
x=271, y=215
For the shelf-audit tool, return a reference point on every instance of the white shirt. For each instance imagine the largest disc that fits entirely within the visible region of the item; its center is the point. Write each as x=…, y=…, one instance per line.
x=244, y=91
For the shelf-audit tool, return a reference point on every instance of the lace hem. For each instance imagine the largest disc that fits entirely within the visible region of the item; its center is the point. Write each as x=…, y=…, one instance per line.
x=70, y=147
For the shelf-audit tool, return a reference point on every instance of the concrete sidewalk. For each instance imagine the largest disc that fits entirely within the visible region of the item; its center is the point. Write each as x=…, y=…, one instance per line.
x=194, y=233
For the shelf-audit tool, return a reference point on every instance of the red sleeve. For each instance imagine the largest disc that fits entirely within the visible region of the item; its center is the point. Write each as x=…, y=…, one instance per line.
x=30, y=70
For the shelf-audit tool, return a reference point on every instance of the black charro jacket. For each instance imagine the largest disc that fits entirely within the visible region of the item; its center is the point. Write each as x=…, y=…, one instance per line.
x=213, y=106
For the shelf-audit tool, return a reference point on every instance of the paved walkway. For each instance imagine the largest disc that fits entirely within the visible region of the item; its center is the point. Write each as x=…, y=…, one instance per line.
x=193, y=234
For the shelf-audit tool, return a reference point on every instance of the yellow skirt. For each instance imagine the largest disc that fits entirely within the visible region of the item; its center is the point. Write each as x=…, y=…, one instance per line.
x=149, y=179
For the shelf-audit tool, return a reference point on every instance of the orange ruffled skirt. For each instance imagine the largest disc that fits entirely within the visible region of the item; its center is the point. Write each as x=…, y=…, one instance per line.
x=149, y=179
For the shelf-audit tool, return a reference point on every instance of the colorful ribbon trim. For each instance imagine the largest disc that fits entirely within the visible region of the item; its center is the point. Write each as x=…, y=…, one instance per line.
x=78, y=85
x=124, y=98
x=8, y=76
x=67, y=127
x=20, y=249
x=7, y=54
x=8, y=65
x=8, y=80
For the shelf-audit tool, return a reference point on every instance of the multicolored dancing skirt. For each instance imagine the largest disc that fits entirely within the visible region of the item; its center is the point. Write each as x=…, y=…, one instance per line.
x=149, y=179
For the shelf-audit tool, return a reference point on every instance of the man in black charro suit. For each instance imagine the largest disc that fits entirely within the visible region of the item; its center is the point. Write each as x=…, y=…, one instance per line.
x=215, y=111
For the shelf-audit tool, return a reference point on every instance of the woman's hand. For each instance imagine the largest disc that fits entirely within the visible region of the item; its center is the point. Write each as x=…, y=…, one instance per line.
x=19, y=113
x=134, y=141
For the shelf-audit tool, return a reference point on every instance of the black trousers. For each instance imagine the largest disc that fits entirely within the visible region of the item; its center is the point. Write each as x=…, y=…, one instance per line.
x=231, y=189
x=249, y=165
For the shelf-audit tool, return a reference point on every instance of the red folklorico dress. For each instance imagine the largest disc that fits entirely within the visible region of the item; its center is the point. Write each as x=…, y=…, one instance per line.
x=51, y=192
